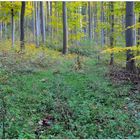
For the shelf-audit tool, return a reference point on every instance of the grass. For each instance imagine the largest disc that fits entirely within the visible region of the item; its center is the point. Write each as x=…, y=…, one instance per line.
x=82, y=102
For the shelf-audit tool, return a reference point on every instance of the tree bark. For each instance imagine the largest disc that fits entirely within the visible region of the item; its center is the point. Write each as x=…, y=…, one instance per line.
x=42, y=22
x=51, y=28
x=1, y=31
x=95, y=25
x=83, y=10
x=138, y=38
x=102, y=28
x=112, y=32
x=33, y=20
x=89, y=21
x=130, y=36
x=13, y=27
x=22, y=45
x=37, y=24
x=5, y=30
x=65, y=30
x=47, y=17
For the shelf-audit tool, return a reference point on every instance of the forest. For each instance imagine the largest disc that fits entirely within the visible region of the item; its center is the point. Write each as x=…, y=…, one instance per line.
x=69, y=70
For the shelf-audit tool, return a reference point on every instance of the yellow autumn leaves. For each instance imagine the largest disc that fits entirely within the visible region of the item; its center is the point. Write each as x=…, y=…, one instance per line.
x=123, y=49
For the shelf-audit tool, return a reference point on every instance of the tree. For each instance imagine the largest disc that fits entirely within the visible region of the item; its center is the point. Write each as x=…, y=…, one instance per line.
x=33, y=20
x=1, y=31
x=89, y=21
x=130, y=36
x=51, y=28
x=22, y=45
x=65, y=29
x=47, y=17
x=138, y=39
x=9, y=11
x=13, y=27
x=102, y=28
x=95, y=24
x=112, y=31
x=42, y=22
x=37, y=22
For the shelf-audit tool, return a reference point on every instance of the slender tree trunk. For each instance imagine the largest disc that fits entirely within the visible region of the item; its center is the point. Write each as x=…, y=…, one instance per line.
x=102, y=28
x=80, y=11
x=5, y=29
x=45, y=14
x=42, y=22
x=37, y=24
x=0, y=31
x=75, y=31
x=138, y=38
x=48, y=18
x=84, y=19
x=65, y=29
x=19, y=24
x=33, y=20
x=38, y=18
x=123, y=27
x=57, y=14
x=89, y=21
x=107, y=20
x=95, y=24
x=13, y=27
x=112, y=31
x=130, y=36
x=26, y=29
x=22, y=45
x=51, y=28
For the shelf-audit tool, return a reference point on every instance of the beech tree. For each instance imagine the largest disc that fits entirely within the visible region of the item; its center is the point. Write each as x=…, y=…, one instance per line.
x=37, y=22
x=112, y=31
x=138, y=38
x=102, y=22
x=95, y=24
x=13, y=27
x=65, y=29
x=130, y=36
x=42, y=16
x=22, y=45
x=89, y=21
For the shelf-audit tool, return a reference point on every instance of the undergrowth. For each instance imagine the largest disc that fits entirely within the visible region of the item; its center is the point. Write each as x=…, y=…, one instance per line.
x=48, y=95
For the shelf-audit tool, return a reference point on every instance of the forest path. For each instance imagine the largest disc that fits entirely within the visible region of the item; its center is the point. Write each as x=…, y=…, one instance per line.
x=63, y=101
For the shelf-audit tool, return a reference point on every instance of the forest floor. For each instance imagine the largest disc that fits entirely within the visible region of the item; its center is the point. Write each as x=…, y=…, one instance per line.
x=55, y=96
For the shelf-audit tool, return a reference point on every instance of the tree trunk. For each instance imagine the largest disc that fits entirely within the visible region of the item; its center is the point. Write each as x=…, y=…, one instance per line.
x=22, y=45
x=37, y=23
x=84, y=9
x=42, y=22
x=48, y=18
x=130, y=36
x=51, y=28
x=112, y=32
x=65, y=30
x=108, y=22
x=89, y=21
x=33, y=20
x=102, y=29
x=95, y=25
x=57, y=16
x=1, y=31
x=5, y=29
x=138, y=38
x=13, y=27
